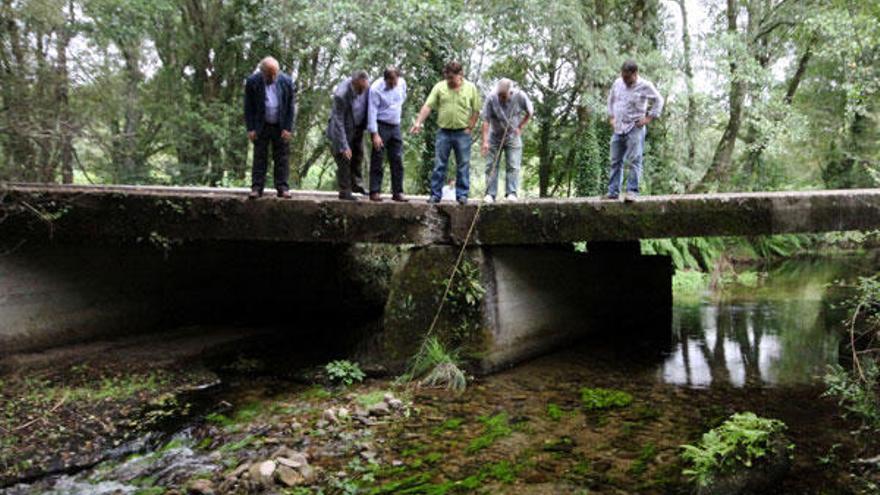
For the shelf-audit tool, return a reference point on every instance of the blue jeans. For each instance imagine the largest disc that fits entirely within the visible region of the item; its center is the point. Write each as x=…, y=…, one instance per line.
x=512, y=154
x=629, y=148
x=460, y=143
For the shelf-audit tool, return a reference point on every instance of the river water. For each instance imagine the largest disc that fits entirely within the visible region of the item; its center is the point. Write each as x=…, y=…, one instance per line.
x=761, y=344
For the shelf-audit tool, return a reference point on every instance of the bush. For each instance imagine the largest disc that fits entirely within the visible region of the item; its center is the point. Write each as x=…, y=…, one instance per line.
x=858, y=397
x=858, y=391
x=344, y=372
x=739, y=443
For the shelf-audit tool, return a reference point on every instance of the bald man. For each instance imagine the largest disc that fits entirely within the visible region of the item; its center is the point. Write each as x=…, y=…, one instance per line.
x=269, y=110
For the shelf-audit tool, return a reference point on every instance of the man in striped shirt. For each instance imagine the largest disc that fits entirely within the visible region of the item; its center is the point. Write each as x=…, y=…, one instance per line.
x=629, y=115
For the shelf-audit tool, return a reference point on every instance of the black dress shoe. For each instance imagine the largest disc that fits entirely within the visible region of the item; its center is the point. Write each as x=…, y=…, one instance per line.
x=359, y=190
x=376, y=197
x=347, y=197
x=462, y=201
x=255, y=193
x=400, y=198
x=284, y=194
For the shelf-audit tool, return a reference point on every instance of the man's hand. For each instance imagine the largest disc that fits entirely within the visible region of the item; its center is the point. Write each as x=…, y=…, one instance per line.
x=484, y=149
x=467, y=130
x=612, y=121
x=347, y=154
x=416, y=128
x=285, y=135
x=377, y=142
x=644, y=121
x=252, y=136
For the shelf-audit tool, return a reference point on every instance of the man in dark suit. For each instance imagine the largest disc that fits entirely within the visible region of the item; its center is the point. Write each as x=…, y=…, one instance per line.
x=345, y=130
x=269, y=109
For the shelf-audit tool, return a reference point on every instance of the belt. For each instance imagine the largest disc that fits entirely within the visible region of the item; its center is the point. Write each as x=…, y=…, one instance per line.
x=453, y=130
x=388, y=124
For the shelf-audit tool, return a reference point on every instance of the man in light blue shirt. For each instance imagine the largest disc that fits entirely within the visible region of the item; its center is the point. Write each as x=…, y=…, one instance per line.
x=272, y=103
x=387, y=96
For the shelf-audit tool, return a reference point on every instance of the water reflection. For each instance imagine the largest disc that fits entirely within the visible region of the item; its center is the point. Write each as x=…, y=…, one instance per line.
x=782, y=333
x=765, y=343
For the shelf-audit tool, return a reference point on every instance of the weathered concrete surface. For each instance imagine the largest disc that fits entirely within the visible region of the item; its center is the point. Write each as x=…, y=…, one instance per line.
x=536, y=299
x=53, y=295
x=126, y=214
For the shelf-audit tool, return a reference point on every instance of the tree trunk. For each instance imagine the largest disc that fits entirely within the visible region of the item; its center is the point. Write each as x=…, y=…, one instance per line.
x=62, y=98
x=691, y=118
x=545, y=131
x=720, y=167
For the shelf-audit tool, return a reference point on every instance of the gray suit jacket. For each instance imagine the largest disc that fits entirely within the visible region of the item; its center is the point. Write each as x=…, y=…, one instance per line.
x=341, y=129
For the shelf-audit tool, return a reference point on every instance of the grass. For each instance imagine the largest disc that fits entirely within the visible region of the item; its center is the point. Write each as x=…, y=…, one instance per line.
x=435, y=366
x=554, y=412
x=371, y=398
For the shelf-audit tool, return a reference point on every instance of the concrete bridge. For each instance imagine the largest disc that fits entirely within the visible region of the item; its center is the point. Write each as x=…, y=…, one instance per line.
x=80, y=262
x=123, y=213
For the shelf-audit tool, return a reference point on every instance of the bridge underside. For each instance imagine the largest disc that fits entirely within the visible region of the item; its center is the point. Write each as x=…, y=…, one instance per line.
x=77, y=263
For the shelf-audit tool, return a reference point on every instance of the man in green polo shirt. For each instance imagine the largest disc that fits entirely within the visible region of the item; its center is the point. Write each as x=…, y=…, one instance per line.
x=458, y=104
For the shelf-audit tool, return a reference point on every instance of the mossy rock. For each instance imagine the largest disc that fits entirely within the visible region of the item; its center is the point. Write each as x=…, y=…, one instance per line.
x=761, y=478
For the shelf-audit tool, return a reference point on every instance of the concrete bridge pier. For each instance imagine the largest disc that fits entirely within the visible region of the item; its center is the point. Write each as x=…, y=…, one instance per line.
x=510, y=303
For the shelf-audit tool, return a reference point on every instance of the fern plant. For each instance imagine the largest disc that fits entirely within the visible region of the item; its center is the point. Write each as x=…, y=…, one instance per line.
x=739, y=443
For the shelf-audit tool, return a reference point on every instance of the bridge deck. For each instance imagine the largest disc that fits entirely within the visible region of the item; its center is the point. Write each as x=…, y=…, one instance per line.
x=136, y=213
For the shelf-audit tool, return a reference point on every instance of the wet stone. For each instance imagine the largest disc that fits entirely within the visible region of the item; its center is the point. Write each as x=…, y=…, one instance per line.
x=263, y=472
x=288, y=476
x=380, y=409
x=201, y=487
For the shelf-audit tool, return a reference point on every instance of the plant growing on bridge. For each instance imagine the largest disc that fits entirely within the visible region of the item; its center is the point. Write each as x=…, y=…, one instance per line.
x=465, y=299
x=741, y=442
x=344, y=372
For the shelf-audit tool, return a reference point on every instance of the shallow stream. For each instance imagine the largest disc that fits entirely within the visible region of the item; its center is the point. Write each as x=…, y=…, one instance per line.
x=760, y=344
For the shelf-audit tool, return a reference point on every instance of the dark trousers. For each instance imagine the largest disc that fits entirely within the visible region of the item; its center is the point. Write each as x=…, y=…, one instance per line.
x=270, y=134
x=393, y=146
x=349, y=173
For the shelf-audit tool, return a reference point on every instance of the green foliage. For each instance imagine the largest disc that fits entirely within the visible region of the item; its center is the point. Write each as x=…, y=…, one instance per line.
x=859, y=397
x=464, y=301
x=554, y=412
x=646, y=457
x=344, y=372
x=739, y=443
x=598, y=399
x=438, y=367
x=858, y=390
x=450, y=424
x=689, y=284
x=494, y=427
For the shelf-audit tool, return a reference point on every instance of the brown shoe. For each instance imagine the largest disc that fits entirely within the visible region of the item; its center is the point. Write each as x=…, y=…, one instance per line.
x=284, y=194
x=400, y=198
x=255, y=193
x=374, y=196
